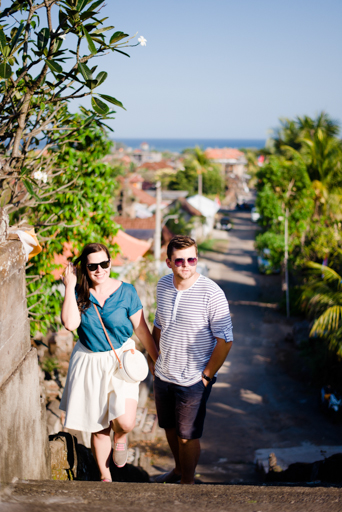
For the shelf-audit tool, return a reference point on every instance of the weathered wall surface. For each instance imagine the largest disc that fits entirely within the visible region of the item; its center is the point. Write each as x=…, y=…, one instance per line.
x=24, y=447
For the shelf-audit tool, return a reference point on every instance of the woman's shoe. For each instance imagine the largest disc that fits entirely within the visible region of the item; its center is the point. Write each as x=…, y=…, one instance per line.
x=120, y=454
x=106, y=480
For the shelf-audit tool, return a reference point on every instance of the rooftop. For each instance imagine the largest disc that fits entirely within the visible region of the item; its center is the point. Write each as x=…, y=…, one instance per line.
x=223, y=153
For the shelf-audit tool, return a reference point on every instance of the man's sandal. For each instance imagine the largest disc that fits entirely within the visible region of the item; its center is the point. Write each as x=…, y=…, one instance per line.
x=168, y=478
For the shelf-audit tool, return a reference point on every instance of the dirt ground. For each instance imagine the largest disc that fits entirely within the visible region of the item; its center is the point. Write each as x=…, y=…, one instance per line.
x=263, y=397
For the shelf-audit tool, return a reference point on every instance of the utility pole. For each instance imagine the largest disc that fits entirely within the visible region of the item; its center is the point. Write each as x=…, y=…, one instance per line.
x=157, y=234
x=286, y=252
x=200, y=183
x=286, y=257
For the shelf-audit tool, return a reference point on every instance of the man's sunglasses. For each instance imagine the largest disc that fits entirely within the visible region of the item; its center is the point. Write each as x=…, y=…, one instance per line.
x=179, y=262
x=93, y=266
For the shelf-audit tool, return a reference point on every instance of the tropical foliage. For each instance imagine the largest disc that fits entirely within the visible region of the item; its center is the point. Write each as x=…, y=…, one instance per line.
x=303, y=176
x=52, y=174
x=200, y=175
x=45, y=53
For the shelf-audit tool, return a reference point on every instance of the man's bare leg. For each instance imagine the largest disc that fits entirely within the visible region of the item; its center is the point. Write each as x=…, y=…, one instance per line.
x=189, y=452
x=172, y=439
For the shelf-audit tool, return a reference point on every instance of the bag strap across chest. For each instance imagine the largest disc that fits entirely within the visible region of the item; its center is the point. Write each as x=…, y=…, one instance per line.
x=108, y=339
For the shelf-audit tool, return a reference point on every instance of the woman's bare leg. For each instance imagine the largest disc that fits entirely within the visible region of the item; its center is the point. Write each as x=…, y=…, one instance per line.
x=126, y=422
x=101, y=448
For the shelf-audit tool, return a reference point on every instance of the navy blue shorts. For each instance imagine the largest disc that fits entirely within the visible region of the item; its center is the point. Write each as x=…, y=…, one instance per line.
x=182, y=407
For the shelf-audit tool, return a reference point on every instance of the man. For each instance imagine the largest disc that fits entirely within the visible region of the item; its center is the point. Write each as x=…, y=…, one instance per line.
x=193, y=332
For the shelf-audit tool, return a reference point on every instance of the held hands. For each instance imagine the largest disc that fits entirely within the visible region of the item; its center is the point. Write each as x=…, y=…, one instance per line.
x=69, y=277
x=151, y=364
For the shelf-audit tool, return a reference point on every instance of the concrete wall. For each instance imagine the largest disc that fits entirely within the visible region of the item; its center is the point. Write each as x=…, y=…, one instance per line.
x=24, y=446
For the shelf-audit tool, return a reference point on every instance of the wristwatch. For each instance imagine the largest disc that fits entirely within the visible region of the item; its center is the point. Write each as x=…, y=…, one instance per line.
x=205, y=377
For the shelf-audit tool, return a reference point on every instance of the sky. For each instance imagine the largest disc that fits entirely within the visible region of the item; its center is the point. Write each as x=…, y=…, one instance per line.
x=223, y=69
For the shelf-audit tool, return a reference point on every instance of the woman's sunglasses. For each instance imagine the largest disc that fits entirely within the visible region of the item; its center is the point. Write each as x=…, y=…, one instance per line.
x=93, y=266
x=179, y=262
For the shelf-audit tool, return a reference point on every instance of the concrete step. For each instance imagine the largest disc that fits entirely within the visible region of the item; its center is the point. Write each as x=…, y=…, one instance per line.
x=32, y=496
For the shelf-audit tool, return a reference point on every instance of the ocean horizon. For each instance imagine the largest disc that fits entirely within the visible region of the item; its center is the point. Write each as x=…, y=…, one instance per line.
x=178, y=145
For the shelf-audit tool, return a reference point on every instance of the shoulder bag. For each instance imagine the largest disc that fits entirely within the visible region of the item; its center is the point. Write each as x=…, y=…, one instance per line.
x=133, y=366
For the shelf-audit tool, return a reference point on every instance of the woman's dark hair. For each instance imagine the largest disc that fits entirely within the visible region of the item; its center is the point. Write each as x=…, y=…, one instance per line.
x=83, y=292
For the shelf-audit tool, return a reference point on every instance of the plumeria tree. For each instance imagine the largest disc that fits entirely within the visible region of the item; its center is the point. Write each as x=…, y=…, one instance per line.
x=47, y=51
x=52, y=173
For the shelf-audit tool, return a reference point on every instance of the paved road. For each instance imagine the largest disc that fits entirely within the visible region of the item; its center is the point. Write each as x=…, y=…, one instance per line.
x=255, y=403
x=130, y=497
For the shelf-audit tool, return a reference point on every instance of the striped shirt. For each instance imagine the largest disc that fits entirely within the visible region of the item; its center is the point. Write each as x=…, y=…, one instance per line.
x=190, y=321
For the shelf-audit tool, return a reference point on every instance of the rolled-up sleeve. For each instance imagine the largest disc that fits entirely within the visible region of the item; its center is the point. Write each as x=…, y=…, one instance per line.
x=219, y=316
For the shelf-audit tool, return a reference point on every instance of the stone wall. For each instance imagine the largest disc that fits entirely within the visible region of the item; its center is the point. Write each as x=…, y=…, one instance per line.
x=24, y=451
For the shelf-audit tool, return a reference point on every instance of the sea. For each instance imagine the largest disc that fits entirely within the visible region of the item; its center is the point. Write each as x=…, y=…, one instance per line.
x=178, y=145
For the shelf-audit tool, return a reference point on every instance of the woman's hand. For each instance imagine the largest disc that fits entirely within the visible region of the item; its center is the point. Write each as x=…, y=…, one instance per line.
x=144, y=335
x=69, y=277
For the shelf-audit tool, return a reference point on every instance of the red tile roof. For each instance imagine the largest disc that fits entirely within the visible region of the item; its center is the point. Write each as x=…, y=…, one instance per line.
x=188, y=207
x=142, y=196
x=132, y=249
x=128, y=223
x=155, y=166
x=223, y=153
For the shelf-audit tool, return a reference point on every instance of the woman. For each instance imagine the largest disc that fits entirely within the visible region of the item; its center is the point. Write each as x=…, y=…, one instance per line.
x=95, y=398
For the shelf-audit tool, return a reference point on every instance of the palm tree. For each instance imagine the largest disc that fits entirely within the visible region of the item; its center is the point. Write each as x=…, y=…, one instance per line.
x=322, y=298
x=201, y=163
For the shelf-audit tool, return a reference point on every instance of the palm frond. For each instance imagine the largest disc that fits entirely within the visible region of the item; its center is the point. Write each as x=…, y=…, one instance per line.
x=328, y=322
x=328, y=273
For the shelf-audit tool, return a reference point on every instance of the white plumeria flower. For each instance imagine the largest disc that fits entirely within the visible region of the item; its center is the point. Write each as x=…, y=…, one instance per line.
x=59, y=35
x=142, y=41
x=38, y=175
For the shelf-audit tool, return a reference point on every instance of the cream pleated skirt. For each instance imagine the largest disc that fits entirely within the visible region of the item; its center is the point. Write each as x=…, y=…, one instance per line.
x=94, y=392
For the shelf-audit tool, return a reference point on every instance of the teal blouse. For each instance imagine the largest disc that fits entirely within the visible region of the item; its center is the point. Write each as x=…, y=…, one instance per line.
x=115, y=313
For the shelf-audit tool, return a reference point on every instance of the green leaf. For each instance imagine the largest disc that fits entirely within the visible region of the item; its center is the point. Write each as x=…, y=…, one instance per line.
x=101, y=30
x=91, y=84
x=3, y=40
x=5, y=197
x=95, y=5
x=30, y=189
x=99, y=107
x=17, y=35
x=43, y=38
x=101, y=77
x=6, y=51
x=54, y=66
x=112, y=100
x=98, y=40
x=117, y=36
x=81, y=4
x=91, y=46
x=85, y=71
x=5, y=70
x=123, y=53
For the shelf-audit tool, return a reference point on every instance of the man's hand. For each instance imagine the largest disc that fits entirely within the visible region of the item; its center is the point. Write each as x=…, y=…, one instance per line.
x=151, y=364
x=205, y=382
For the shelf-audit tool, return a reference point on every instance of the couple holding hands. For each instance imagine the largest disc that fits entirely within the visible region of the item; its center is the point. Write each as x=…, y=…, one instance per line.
x=191, y=338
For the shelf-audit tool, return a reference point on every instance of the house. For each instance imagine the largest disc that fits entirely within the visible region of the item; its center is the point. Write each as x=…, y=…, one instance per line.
x=143, y=229
x=132, y=201
x=231, y=160
x=208, y=210
x=189, y=214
